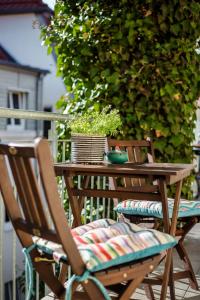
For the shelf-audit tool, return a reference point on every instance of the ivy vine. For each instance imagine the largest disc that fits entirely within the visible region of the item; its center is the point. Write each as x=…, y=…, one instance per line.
x=142, y=57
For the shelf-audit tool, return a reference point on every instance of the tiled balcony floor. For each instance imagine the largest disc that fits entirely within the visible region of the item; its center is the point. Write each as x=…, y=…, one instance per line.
x=183, y=291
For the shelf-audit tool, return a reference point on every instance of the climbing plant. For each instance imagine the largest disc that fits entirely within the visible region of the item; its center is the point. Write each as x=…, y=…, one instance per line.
x=140, y=56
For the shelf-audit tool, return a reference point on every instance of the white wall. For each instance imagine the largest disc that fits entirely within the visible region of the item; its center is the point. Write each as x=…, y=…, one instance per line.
x=11, y=245
x=20, y=36
x=14, y=79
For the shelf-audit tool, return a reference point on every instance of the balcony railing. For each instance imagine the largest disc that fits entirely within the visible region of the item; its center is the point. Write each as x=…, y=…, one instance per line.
x=13, y=269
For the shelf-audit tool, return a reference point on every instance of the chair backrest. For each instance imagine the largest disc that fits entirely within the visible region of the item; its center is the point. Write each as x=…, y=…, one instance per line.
x=139, y=151
x=37, y=210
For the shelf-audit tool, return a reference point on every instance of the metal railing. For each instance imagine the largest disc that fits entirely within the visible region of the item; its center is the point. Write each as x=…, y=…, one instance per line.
x=31, y=115
x=93, y=208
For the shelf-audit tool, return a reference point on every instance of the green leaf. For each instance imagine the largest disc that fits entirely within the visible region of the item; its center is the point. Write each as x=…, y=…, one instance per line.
x=176, y=140
x=141, y=59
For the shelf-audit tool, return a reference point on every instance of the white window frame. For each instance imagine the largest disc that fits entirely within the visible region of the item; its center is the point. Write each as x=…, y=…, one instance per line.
x=23, y=99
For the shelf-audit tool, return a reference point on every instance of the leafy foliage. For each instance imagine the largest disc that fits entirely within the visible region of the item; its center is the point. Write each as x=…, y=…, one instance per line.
x=140, y=56
x=94, y=122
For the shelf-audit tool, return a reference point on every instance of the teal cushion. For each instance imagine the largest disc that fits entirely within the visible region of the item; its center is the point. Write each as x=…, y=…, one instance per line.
x=106, y=243
x=154, y=209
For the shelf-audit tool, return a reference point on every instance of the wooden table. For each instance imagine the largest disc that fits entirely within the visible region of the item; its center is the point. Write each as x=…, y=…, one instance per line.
x=164, y=174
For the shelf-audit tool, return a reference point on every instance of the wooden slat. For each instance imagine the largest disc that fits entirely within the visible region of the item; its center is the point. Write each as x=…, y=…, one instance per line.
x=131, y=158
x=28, y=195
x=19, y=184
x=138, y=158
x=129, y=169
x=140, y=189
x=132, y=271
x=36, y=195
x=25, y=150
x=122, y=194
x=10, y=202
x=47, y=234
x=126, y=143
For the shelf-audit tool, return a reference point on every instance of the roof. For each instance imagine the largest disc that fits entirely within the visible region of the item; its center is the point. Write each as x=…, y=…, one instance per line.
x=23, y=67
x=5, y=56
x=23, y=6
x=8, y=61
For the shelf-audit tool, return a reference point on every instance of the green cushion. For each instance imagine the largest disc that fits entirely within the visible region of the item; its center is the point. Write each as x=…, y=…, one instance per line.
x=154, y=209
x=105, y=243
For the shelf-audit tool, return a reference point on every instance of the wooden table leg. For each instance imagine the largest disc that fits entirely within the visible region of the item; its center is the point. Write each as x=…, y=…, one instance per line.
x=166, y=221
x=176, y=208
x=86, y=181
x=73, y=200
x=173, y=232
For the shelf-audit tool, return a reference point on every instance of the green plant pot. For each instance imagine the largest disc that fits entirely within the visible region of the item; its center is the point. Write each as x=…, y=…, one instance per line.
x=116, y=157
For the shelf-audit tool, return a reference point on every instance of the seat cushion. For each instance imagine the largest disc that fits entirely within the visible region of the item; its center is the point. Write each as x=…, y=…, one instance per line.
x=154, y=209
x=105, y=243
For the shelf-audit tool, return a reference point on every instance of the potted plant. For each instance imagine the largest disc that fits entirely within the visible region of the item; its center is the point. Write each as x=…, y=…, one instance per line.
x=88, y=134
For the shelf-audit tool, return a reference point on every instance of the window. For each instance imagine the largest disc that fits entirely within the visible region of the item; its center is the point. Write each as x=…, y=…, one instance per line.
x=47, y=124
x=16, y=100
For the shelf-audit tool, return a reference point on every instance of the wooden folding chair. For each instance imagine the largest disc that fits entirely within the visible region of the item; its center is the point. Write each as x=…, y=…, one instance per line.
x=138, y=152
x=103, y=255
x=188, y=213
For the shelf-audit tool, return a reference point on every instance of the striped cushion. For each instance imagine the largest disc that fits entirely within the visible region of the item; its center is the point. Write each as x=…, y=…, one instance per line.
x=154, y=209
x=105, y=243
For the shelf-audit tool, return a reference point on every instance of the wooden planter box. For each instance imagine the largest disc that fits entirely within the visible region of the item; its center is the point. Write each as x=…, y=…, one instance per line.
x=87, y=149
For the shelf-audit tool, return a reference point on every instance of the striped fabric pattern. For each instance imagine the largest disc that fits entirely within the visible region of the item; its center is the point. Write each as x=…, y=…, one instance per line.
x=121, y=243
x=102, y=223
x=187, y=208
x=104, y=234
x=105, y=243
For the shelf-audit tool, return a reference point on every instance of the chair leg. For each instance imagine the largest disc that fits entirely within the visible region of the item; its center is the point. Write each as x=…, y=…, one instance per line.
x=149, y=292
x=156, y=224
x=63, y=273
x=188, y=226
x=171, y=282
x=131, y=287
x=187, y=264
x=92, y=290
x=166, y=274
x=46, y=273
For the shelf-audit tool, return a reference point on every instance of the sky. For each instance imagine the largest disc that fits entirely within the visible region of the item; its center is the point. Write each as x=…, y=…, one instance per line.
x=51, y=3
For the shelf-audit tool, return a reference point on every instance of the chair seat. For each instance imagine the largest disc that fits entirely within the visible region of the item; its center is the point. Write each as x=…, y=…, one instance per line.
x=187, y=208
x=105, y=243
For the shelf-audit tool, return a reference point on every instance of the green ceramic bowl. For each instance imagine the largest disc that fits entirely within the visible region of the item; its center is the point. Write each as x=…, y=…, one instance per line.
x=116, y=157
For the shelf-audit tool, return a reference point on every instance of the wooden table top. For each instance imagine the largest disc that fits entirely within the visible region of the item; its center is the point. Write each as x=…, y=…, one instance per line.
x=157, y=169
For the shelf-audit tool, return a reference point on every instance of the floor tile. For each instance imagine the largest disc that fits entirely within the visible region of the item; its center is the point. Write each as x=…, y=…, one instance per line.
x=191, y=296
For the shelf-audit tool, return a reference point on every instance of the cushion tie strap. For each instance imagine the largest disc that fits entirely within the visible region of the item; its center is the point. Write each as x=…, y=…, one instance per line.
x=29, y=271
x=85, y=276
